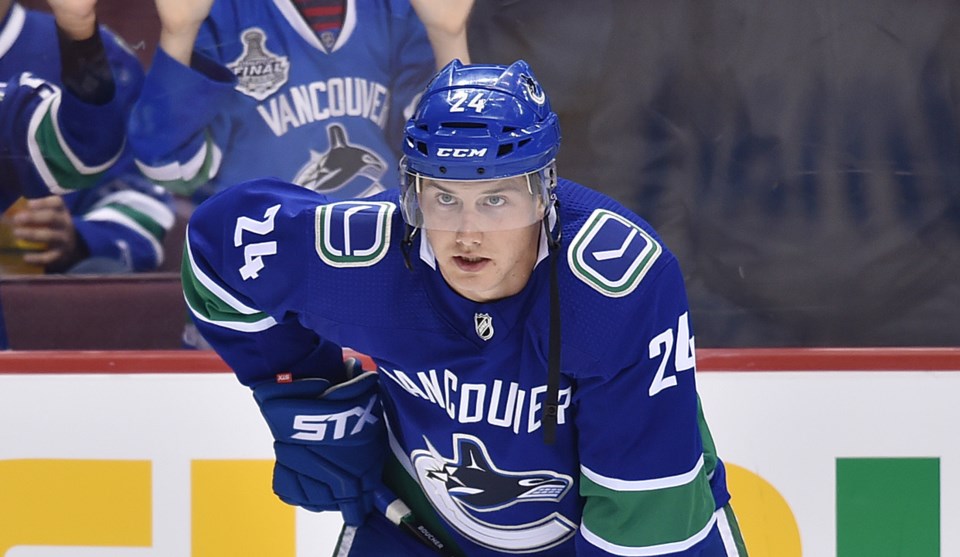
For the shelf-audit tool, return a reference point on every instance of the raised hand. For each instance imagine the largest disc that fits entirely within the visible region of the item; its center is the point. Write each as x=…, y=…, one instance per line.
x=180, y=22
x=77, y=18
x=446, y=24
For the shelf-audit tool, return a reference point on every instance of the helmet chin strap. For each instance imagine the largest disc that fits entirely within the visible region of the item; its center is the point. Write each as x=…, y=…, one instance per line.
x=551, y=406
x=406, y=244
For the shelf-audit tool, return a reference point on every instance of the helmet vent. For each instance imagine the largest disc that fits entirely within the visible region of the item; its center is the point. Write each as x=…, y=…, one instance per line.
x=509, y=129
x=505, y=149
x=422, y=147
x=463, y=125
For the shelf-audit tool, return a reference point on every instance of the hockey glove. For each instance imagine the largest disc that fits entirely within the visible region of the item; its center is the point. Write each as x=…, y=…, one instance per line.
x=330, y=443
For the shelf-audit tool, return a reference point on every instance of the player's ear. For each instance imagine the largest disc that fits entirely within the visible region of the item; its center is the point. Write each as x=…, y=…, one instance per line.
x=541, y=209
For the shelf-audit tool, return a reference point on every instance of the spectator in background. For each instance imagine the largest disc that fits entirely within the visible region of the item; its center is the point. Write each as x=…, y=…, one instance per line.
x=311, y=91
x=803, y=158
x=67, y=94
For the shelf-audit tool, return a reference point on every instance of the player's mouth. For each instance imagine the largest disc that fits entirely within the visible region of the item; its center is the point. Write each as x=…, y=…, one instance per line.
x=469, y=263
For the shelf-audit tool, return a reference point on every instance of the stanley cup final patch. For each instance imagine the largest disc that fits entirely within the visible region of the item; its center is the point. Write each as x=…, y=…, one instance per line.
x=260, y=73
x=612, y=254
x=483, y=323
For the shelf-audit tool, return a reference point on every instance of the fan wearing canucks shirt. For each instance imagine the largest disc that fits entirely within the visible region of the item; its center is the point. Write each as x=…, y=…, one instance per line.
x=102, y=64
x=67, y=89
x=535, y=388
x=40, y=146
x=260, y=92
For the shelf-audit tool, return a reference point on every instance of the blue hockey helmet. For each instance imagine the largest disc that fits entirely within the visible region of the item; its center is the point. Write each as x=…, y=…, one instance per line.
x=480, y=122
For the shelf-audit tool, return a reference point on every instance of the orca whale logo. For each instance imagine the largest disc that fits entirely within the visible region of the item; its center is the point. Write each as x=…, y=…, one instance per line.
x=470, y=484
x=475, y=483
x=342, y=165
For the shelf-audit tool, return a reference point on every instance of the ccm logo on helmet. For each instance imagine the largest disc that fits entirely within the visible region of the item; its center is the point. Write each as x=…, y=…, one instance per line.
x=461, y=153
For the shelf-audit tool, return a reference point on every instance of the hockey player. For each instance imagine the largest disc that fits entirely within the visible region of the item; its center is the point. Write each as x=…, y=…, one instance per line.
x=535, y=389
x=239, y=90
x=67, y=91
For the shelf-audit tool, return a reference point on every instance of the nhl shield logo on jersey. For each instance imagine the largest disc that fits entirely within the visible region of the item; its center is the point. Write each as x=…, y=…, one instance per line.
x=346, y=168
x=483, y=323
x=469, y=485
x=260, y=73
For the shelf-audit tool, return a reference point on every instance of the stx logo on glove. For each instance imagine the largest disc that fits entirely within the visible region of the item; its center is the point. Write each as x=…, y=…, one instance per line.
x=314, y=427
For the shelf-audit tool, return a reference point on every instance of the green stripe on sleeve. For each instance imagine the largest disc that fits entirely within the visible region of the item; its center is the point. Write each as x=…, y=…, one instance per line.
x=57, y=160
x=210, y=307
x=144, y=220
x=162, y=177
x=649, y=517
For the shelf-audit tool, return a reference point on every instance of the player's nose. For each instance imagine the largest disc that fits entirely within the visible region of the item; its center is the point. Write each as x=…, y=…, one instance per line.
x=469, y=223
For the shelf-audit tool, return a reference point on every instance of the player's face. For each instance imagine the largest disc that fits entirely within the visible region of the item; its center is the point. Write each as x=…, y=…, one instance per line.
x=484, y=234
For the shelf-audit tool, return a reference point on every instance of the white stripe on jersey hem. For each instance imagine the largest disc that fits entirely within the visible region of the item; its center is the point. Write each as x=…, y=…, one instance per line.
x=649, y=550
x=643, y=485
x=226, y=297
x=142, y=203
x=186, y=172
x=109, y=214
x=402, y=457
x=726, y=534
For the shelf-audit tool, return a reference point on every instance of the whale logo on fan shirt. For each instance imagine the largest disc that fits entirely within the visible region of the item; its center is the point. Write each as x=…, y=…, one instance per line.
x=347, y=168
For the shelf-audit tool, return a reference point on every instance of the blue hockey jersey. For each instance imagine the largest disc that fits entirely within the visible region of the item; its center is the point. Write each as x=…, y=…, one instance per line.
x=51, y=142
x=264, y=96
x=273, y=272
x=72, y=157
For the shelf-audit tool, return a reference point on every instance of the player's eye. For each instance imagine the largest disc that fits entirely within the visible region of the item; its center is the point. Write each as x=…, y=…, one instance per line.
x=495, y=201
x=446, y=199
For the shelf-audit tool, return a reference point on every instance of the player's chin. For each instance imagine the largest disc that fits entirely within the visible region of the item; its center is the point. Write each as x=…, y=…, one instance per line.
x=473, y=286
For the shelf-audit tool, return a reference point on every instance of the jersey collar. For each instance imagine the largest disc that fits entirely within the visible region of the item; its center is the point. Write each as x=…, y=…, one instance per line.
x=299, y=25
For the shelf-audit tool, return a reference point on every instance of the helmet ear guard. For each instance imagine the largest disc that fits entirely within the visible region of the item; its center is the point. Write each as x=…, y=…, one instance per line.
x=480, y=123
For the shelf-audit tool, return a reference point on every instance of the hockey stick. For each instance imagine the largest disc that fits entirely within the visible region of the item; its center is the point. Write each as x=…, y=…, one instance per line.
x=400, y=514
